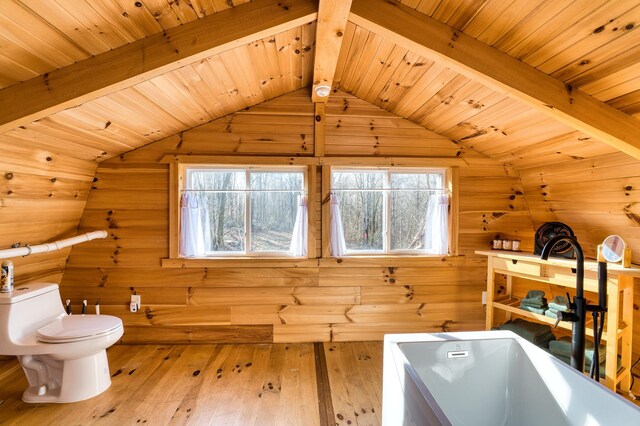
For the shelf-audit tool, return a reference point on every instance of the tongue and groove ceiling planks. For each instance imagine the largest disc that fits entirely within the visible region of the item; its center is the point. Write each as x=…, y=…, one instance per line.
x=108, y=78
x=132, y=88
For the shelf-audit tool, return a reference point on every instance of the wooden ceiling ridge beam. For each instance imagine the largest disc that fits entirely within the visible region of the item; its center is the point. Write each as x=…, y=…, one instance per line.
x=332, y=22
x=150, y=57
x=476, y=60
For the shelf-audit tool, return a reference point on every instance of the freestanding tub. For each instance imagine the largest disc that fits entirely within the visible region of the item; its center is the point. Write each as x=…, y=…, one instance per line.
x=490, y=378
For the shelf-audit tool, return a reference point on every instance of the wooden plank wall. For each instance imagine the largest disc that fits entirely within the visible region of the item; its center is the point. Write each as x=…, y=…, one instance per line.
x=596, y=197
x=333, y=300
x=43, y=191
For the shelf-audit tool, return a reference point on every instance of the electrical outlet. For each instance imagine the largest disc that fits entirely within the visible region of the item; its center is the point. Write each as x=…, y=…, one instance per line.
x=484, y=297
x=134, y=306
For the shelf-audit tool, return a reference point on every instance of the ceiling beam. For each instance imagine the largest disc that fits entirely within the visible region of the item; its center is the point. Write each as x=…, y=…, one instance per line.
x=480, y=62
x=332, y=21
x=150, y=57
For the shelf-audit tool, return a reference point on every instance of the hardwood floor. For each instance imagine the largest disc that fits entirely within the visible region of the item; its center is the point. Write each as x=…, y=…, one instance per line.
x=355, y=376
x=250, y=384
x=265, y=384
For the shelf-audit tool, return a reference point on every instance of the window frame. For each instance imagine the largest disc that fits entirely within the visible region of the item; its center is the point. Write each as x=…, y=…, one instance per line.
x=178, y=164
x=450, y=177
x=319, y=177
x=247, y=169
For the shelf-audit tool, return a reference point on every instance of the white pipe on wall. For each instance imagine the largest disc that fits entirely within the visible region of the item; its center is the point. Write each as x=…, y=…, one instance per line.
x=47, y=247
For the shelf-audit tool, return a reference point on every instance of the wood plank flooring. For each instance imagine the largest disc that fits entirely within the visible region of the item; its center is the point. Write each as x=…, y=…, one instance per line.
x=263, y=384
x=333, y=383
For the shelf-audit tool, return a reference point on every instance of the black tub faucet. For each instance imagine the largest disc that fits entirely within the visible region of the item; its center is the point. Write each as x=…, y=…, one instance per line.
x=579, y=305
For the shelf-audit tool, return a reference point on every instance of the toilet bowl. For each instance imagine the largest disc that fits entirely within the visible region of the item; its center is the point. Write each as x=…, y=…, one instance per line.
x=63, y=356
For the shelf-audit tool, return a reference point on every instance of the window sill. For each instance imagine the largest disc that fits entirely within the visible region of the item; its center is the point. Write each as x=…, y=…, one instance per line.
x=242, y=262
x=392, y=261
x=344, y=262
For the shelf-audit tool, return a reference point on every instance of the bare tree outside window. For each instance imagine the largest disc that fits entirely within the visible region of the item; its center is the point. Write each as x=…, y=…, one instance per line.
x=268, y=198
x=273, y=214
x=408, y=208
x=384, y=210
x=226, y=209
x=362, y=210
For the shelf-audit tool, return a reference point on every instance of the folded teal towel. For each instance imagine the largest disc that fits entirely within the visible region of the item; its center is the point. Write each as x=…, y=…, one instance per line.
x=551, y=313
x=587, y=364
x=534, y=303
x=557, y=307
x=534, y=293
x=559, y=303
x=560, y=300
x=534, y=298
x=545, y=340
x=562, y=347
x=538, y=334
x=540, y=311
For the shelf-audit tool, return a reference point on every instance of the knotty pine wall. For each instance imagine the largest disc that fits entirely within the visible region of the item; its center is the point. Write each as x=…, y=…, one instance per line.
x=596, y=197
x=43, y=190
x=333, y=299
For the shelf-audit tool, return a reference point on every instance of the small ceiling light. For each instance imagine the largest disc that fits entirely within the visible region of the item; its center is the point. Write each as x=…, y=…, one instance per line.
x=322, y=90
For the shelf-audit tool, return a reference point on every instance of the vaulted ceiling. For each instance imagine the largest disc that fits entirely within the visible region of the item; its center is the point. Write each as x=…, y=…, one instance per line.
x=526, y=82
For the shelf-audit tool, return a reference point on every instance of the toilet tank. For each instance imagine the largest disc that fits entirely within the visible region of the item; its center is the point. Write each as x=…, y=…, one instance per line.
x=27, y=308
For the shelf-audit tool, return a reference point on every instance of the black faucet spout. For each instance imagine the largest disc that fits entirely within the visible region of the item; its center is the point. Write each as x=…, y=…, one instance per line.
x=580, y=312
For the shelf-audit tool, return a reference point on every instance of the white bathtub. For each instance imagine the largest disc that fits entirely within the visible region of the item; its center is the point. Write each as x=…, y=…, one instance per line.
x=490, y=378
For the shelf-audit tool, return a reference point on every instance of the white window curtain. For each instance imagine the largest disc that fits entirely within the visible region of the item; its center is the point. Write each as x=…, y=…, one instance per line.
x=336, y=239
x=298, y=245
x=436, y=232
x=195, y=233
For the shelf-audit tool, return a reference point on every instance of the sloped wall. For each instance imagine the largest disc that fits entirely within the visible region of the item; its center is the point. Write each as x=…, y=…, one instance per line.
x=351, y=300
x=596, y=197
x=44, y=186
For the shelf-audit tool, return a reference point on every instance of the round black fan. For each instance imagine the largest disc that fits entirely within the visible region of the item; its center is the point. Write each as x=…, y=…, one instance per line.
x=551, y=230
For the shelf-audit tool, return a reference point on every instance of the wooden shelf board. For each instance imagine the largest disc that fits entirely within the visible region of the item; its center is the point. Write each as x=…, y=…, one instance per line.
x=589, y=265
x=546, y=280
x=513, y=304
x=553, y=271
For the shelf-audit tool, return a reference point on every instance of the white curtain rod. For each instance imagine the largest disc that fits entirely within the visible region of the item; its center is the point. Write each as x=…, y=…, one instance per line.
x=56, y=245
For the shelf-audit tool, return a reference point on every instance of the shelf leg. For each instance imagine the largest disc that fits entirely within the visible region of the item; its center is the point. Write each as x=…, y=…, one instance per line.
x=613, y=315
x=627, y=338
x=509, y=292
x=490, y=292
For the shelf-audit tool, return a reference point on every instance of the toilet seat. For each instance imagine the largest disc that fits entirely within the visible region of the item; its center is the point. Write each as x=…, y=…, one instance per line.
x=73, y=328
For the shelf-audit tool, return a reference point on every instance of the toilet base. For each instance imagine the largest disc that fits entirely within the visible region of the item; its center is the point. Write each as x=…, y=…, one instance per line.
x=71, y=380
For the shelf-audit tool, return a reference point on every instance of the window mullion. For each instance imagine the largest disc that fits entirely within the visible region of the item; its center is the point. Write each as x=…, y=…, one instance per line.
x=387, y=213
x=247, y=213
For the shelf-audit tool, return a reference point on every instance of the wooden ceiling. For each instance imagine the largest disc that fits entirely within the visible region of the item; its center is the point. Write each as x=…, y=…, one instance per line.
x=585, y=46
x=178, y=100
x=40, y=36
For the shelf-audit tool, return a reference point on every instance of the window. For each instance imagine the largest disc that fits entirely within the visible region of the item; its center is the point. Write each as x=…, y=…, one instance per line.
x=389, y=211
x=243, y=211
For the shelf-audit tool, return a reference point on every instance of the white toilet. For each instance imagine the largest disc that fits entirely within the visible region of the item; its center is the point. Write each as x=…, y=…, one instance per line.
x=64, y=356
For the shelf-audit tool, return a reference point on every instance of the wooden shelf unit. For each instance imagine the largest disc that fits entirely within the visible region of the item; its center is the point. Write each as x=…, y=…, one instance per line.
x=618, y=331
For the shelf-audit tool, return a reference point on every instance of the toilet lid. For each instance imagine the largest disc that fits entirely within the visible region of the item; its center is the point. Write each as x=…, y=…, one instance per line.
x=78, y=327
